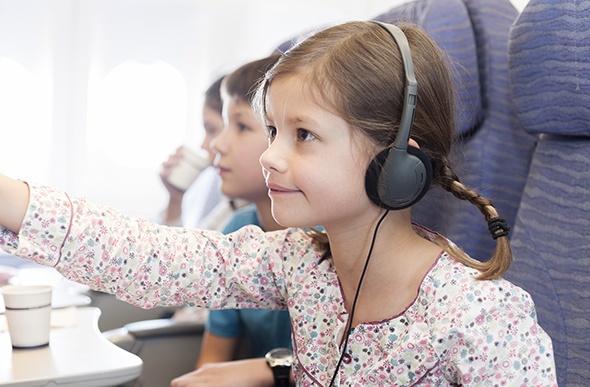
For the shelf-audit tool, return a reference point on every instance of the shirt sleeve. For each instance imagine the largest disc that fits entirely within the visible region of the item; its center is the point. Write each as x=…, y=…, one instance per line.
x=148, y=264
x=224, y=323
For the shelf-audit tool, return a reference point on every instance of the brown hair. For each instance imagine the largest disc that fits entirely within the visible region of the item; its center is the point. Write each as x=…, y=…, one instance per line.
x=213, y=96
x=242, y=82
x=357, y=72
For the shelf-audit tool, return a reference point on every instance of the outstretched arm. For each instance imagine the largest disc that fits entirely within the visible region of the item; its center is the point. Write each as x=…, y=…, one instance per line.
x=14, y=200
x=139, y=261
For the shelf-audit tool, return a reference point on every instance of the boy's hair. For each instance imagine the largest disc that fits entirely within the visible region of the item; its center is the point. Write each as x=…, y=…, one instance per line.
x=355, y=70
x=242, y=83
x=213, y=96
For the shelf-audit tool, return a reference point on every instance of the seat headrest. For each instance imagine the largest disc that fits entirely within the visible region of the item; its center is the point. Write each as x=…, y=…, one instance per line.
x=549, y=61
x=449, y=24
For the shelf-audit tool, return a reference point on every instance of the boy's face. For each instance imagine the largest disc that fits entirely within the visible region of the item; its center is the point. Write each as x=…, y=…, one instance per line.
x=213, y=125
x=238, y=148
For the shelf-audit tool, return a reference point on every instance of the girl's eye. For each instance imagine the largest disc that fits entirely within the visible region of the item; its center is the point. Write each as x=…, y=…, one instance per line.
x=305, y=135
x=272, y=133
x=243, y=128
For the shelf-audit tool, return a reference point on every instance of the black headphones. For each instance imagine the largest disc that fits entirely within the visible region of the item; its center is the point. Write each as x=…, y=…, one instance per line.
x=400, y=176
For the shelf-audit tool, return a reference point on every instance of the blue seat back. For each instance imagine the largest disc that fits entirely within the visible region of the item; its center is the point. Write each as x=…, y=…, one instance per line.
x=550, y=83
x=492, y=154
x=449, y=24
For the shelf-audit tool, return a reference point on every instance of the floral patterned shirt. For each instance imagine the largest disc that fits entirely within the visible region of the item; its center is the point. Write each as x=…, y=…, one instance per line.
x=458, y=330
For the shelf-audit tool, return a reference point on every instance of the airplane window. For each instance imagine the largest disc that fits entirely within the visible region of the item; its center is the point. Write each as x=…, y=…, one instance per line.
x=25, y=108
x=138, y=113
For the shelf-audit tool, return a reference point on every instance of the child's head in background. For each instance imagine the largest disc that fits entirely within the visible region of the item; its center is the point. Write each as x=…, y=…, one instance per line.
x=212, y=116
x=244, y=138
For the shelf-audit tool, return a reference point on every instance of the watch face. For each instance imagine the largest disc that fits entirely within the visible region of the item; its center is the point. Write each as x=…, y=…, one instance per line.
x=280, y=357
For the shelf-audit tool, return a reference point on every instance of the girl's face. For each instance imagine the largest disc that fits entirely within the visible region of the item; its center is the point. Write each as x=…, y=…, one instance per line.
x=314, y=168
x=238, y=148
x=213, y=124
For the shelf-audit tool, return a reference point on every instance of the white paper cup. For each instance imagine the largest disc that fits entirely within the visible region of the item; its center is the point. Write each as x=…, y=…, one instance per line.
x=187, y=169
x=28, y=313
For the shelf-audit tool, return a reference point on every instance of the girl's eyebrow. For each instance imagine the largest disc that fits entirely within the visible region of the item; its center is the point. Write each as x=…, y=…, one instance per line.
x=300, y=120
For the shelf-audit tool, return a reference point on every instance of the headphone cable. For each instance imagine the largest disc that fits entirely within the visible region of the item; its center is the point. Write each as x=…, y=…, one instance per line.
x=358, y=289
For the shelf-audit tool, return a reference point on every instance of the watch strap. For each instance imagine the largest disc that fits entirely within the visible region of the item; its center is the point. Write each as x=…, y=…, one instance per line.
x=282, y=375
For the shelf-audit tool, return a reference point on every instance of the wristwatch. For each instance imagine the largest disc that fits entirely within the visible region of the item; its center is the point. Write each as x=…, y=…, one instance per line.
x=280, y=360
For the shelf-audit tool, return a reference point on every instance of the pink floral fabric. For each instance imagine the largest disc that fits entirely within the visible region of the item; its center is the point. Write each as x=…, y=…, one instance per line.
x=458, y=331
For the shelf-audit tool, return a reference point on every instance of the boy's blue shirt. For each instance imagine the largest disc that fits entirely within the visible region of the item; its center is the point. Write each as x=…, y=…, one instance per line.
x=264, y=329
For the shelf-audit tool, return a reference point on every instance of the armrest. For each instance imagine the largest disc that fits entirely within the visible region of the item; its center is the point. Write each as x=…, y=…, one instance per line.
x=168, y=348
x=121, y=338
x=164, y=327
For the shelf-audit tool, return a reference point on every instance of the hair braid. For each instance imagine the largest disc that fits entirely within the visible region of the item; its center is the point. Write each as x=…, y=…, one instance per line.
x=502, y=256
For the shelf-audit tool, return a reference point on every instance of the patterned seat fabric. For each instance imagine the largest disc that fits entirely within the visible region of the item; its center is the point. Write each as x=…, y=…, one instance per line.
x=550, y=84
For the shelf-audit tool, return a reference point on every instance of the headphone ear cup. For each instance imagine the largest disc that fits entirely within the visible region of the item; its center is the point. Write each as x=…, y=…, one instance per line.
x=372, y=177
x=396, y=179
x=426, y=179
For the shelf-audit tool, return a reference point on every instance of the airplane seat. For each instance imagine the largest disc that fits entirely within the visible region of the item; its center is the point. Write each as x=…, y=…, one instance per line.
x=500, y=141
x=168, y=348
x=549, y=62
x=475, y=35
x=448, y=23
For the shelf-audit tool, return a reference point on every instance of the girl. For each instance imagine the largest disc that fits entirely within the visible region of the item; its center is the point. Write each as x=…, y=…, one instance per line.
x=375, y=300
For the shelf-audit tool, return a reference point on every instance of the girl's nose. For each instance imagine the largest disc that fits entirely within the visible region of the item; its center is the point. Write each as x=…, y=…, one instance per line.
x=274, y=158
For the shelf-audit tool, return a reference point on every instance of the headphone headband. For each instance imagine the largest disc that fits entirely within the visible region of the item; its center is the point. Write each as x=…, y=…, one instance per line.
x=411, y=88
